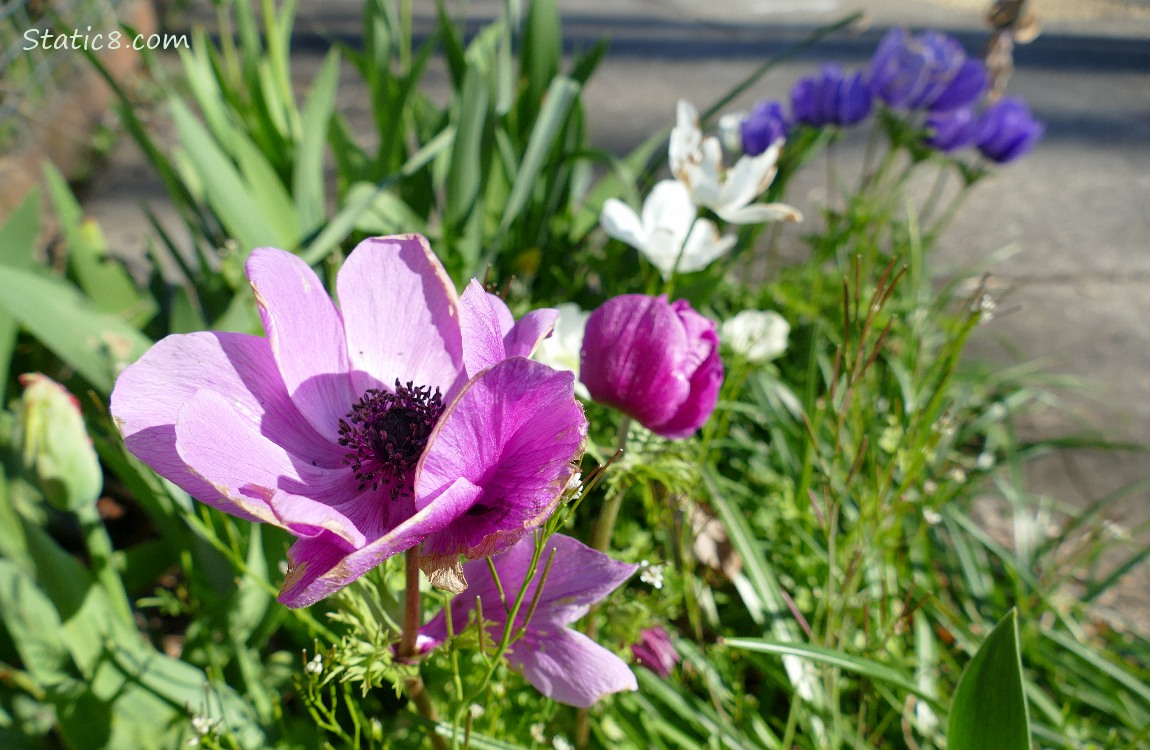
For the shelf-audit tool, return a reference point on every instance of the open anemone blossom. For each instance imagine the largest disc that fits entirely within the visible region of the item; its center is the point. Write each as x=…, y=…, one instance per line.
x=561, y=663
x=667, y=233
x=408, y=415
x=697, y=162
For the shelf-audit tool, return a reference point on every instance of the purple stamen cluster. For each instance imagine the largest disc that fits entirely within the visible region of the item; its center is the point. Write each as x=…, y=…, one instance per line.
x=386, y=432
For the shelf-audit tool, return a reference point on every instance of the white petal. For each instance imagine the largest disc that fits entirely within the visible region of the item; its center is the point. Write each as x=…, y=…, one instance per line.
x=759, y=335
x=685, y=137
x=704, y=246
x=669, y=208
x=663, y=251
x=705, y=179
x=621, y=222
x=757, y=213
x=749, y=178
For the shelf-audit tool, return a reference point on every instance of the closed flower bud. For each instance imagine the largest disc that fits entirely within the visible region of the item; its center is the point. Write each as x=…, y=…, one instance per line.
x=55, y=446
x=830, y=98
x=763, y=127
x=653, y=360
x=1008, y=130
x=953, y=131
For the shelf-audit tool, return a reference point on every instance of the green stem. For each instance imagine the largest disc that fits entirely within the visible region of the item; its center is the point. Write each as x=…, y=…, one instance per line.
x=100, y=557
x=605, y=526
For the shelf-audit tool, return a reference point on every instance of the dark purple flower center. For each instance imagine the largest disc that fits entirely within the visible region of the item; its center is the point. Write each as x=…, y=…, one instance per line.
x=385, y=433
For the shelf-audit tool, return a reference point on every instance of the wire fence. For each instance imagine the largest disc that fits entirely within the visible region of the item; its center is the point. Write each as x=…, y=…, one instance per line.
x=39, y=40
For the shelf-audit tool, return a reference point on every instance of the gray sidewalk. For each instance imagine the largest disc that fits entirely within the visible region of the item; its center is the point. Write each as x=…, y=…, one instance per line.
x=1075, y=293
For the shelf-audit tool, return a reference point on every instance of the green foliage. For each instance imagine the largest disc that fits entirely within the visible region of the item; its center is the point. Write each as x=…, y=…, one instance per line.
x=989, y=706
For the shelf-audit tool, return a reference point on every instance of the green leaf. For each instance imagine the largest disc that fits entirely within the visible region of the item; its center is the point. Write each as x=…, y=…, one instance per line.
x=106, y=282
x=548, y=128
x=989, y=710
x=33, y=624
x=96, y=344
x=465, y=175
x=17, y=250
x=542, y=45
x=848, y=662
x=307, y=179
x=229, y=196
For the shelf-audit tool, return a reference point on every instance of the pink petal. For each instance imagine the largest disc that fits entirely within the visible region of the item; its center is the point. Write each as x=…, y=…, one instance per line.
x=706, y=379
x=514, y=431
x=527, y=333
x=569, y=667
x=481, y=329
x=306, y=336
x=243, y=467
x=491, y=334
x=400, y=314
x=632, y=358
x=149, y=394
x=579, y=577
x=319, y=568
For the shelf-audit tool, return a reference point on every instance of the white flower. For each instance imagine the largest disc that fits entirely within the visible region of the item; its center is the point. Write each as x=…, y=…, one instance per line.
x=537, y=732
x=668, y=232
x=315, y=666
x=561, y=349
x=758, y=335
x=652, y=575
x=697, y=162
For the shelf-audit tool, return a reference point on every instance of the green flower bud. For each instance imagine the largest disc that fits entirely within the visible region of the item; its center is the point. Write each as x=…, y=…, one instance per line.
x=54, y=444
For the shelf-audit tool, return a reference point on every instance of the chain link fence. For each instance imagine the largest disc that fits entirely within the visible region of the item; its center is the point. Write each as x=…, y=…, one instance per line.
x=34, y=63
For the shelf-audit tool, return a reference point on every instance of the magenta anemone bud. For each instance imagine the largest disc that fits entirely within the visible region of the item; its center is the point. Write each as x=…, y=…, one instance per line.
x=655, y=361
x=655, y=651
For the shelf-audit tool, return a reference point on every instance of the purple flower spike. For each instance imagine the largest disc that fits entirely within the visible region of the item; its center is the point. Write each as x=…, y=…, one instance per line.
x=929, y=71
x=763, y=127
x=654, y=361
x=1008, y=130
x=655, y=651
x=323, y=428
x=953, y=131
x=829, y=98
x=561, y=663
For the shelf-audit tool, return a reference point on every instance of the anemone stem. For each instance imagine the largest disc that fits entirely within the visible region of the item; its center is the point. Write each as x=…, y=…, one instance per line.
x=411, y=619
x=605, y=526
x=407, y=646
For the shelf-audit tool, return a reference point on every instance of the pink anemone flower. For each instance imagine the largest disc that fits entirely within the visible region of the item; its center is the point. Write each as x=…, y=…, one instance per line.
x=561, y=663
x=408, y=415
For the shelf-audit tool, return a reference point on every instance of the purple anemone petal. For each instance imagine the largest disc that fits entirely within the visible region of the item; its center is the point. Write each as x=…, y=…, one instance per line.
x=481, y=328
x=964, y=89
x=319, y=568
x=706, y=375
x=633, y=349
x=657, y=362
x=529, y=331
x=491, y=334
x=569, y=667
x=244, y=467
x=579, y=577
x=514, y=431
x=149, y=394
x=561, y=663
x=1008, y=130
x=400, y=314
x=655, y=651
x=306, y=336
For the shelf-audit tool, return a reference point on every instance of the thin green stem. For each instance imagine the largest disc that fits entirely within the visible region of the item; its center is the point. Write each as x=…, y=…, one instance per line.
x=605, y=525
